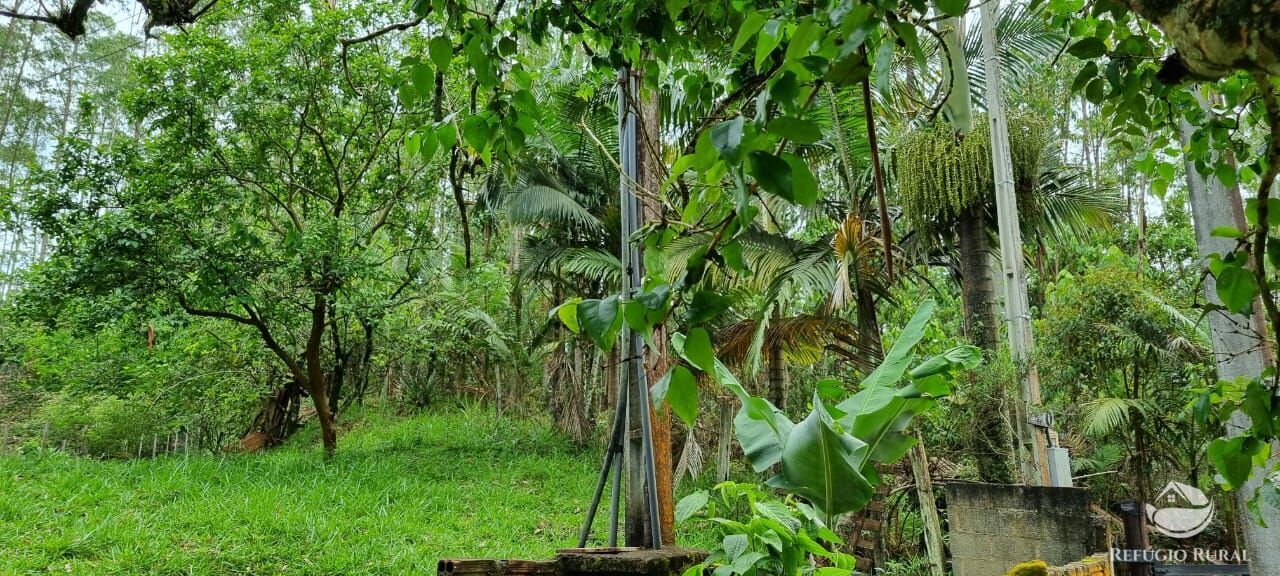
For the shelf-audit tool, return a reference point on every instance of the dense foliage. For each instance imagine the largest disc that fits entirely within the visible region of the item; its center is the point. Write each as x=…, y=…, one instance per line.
x=267, y=213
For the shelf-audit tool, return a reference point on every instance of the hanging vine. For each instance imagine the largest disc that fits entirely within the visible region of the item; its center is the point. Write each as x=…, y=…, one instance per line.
x=941, y=175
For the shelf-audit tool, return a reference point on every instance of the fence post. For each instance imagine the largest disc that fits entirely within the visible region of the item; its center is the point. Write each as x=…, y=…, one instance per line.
x=44, y=438
x=154, y=440
x=140, y=447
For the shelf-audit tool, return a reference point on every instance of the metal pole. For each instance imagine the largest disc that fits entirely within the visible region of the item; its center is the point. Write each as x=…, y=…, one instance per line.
x=1033, y=442
x=642, y=483
x=614, y=497
x=610, y=459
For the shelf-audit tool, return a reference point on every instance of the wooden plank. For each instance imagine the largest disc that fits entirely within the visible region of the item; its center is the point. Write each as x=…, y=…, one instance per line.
x=488, y=567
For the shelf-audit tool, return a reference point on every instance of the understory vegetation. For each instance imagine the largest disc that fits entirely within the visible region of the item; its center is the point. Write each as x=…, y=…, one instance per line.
x=404, y=493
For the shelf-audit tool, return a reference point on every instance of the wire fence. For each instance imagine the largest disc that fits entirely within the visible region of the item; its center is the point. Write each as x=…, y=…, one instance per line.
x=39, y=440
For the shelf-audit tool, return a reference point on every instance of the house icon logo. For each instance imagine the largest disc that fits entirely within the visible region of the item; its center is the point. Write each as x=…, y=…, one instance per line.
x=1180, y=511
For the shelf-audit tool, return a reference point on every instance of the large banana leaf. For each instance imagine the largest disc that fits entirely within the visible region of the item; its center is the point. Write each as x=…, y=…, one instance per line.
x=822, y=464
x=829, y=458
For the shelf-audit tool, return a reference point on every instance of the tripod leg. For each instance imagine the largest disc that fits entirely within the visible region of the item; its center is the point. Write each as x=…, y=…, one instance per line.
x=610, y=459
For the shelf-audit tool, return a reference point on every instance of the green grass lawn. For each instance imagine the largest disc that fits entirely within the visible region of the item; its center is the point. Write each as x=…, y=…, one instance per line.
x=400, y=495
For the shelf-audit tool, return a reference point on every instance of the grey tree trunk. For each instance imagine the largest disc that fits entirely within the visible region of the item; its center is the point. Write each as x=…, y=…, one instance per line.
x=976, y=280
x=1236, y=347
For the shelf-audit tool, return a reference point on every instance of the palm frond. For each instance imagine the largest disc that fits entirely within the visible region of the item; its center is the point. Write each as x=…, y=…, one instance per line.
x=804, y=340
x=595, y=264
x=1025, y=42
x=1067, y=205
x=1105, y=415
x=539, y=204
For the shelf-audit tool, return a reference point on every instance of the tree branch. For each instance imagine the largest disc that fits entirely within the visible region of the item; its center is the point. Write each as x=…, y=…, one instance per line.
x=380, y=32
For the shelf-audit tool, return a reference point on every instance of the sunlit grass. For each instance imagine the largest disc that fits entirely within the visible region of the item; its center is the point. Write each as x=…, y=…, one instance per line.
x=400, y=494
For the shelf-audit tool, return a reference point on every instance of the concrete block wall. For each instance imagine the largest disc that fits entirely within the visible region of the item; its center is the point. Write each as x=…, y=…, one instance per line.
x=995, y=527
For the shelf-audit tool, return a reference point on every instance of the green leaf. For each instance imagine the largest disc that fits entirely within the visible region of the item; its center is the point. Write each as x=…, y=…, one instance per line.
x=568, y=315
x=1229, y=457
x=882, y=65
x=772, y=173
x=952, y=7
x=1087, y=48
x=803, y=38
x=796, y=130
x=637, y=319
x=698, y=350
x=958, y=358
x=430, y=144
x=735, y=545
x=707, y=305
x=1226, y=174
x=744, y=563
x=895, y=362
x=749, y=27
x=424, y=80
x=1226, y=232
x=680, y=390
x=804, y=187
x=727, y=137
x=767, y=41
x=1095, y=92
x=906, y=31
x=413, y=143
x=691, y=504
x=601, y=321
x=407, y=95
x=1257, y=406
x=820, y=464
x=441, y=52
x=1236, y=288
x=761, y=428
x=1086, y=74
x=475, y=130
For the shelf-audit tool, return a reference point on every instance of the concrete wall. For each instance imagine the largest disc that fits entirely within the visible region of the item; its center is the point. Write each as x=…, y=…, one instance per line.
x=994, y=527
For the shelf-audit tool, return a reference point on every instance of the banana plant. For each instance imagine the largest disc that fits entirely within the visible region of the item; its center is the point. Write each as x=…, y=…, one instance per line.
x=829, y=458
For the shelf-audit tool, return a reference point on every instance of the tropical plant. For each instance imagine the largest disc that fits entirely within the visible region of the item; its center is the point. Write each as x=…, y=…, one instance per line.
x=759, y=533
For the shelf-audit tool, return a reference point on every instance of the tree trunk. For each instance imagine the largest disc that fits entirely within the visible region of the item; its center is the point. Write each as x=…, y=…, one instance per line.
x=724, y=439
x=456, y=185
x=1240, y=346
x=315, y=381
x=776, y=378
x=1214, y=38
x=15, y=89
x=976, y=277
x=276, y=421
x=651, y=173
